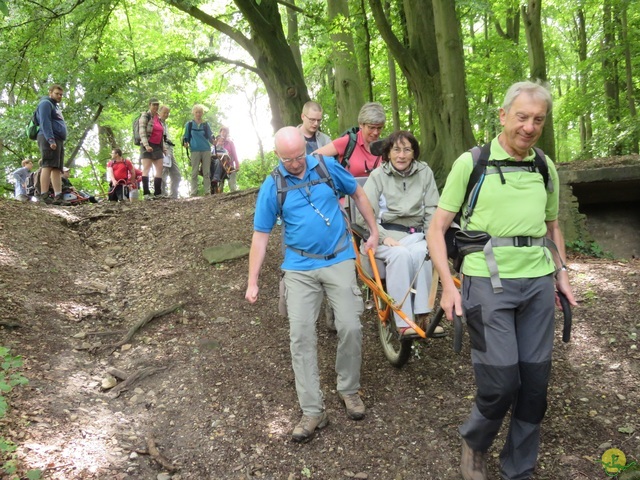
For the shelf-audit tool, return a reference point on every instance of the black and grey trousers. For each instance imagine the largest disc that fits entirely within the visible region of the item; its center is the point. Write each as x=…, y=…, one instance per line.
x=511, y=342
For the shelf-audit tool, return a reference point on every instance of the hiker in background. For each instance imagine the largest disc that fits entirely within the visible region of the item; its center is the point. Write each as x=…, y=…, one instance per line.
x=20, y=176
x=152, y=148
x=198, y=138
x=51, y=137
x=511, y=326
x=219, y=156
x=318, y=257
x=310, y=127
x=353, y=149
x=67, y=187
x=230, y=147
x=404, y=195
x=170, y=173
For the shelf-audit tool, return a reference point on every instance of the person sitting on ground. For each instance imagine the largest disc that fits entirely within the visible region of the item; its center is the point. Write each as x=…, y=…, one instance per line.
x=67, y=187
x=404, y=195
x=361, y=163
x=20, y=176
x=120, y=171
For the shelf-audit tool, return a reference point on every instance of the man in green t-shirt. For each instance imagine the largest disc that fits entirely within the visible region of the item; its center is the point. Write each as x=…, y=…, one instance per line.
x=511, y=328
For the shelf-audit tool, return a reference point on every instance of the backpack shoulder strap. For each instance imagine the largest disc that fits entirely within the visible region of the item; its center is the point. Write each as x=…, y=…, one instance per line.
x=540, y=162
x=351, y=145
x=281, y=187
x=323, y=172
x=480, y=157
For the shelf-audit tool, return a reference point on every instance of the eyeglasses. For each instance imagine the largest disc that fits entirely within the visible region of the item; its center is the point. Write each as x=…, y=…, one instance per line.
x=312, y=120
x=299, y=158
x=406, y=150
x=374, y=128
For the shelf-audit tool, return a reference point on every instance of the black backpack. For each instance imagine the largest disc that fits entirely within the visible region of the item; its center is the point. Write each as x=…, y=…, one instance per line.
x=136, y=128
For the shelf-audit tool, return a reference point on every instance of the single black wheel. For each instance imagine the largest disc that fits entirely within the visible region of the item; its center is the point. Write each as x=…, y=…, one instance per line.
x=395, y=348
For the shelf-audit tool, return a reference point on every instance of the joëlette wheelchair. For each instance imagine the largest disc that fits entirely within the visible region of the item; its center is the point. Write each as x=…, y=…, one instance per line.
x=371, y=272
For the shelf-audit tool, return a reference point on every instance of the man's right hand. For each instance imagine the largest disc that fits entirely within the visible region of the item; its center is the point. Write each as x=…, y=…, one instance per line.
x=252, y=293
x=53, y=146
x=149, y=148
x=451, y=302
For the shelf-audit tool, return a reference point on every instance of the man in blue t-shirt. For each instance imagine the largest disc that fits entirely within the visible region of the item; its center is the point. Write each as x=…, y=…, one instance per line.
x=318, y=258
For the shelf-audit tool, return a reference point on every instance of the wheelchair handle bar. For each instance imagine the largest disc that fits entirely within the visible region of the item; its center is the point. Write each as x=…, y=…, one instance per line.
x=566, y=312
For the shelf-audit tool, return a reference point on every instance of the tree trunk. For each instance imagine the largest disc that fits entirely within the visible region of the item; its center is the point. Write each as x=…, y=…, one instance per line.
x=434, y=67
x=293, y=35
x=368, y=74
x=275, y=63
x=393, y=83
x=586, y=129
x=610, y=71
x=624, y=38
x=538, y=66
x=349, y=97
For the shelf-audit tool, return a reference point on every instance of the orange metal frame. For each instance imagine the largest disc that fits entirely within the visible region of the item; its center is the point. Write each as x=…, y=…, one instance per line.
x=375, y=285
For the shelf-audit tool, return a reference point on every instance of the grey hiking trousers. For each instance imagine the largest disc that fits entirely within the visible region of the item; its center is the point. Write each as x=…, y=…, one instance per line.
x=511, y=342
x=304, y=292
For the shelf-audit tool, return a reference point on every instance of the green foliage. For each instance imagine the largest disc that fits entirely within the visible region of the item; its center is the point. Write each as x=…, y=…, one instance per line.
x=10, y=377
x=112, y=56
x=591, y=249
x=253, y=172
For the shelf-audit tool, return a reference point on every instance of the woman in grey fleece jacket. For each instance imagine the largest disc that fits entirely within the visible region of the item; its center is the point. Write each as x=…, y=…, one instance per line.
x=404, y=196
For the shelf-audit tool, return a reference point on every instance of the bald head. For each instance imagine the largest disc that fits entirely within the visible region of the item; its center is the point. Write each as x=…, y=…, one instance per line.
x=291, y=148
x=289, y=142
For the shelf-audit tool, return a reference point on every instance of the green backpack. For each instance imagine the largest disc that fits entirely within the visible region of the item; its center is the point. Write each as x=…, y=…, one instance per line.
x=33, y=127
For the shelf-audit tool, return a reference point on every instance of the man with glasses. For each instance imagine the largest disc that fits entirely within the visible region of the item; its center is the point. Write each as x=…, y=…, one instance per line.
x=318, y=258
x=310, y=127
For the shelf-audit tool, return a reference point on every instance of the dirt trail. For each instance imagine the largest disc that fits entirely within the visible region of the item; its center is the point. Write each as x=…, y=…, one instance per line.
x=219, y=400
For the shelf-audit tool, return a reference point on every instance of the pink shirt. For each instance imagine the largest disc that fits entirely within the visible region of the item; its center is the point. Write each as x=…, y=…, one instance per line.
x=158, y=131
x=361, y=162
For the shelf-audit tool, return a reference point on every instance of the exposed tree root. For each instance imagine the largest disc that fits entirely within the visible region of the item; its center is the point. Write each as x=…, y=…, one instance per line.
x=132, y=331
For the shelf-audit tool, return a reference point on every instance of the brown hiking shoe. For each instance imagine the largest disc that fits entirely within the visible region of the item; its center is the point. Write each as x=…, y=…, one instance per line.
x=353, y=404
x=307, y=426
x=472, y=463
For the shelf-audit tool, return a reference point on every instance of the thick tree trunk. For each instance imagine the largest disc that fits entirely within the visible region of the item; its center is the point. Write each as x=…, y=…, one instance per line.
x=349, y=97
x=293, y=35
x=275, y=63
x=538, y=66
x=434, y=67
x=393, y=83
x=368, y=74
x=274, y=59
